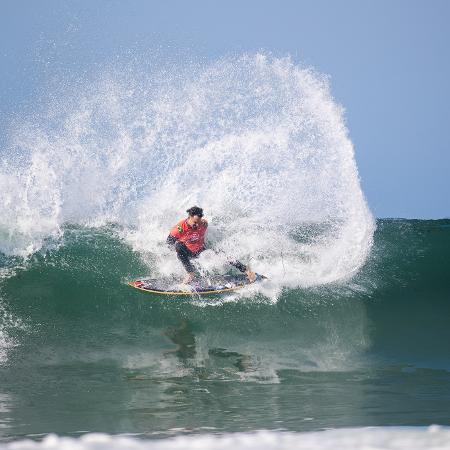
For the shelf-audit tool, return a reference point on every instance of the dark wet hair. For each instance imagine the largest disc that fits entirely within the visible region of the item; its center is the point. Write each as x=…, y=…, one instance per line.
x=195, y=211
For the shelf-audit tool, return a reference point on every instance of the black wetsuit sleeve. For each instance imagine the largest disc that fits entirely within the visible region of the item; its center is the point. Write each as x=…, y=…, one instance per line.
x=171, y=241
x=239, y=266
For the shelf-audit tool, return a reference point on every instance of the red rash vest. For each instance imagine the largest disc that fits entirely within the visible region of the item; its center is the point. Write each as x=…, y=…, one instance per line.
x=193, y=238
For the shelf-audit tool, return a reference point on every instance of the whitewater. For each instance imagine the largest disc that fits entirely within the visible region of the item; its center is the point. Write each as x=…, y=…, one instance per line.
x=437, y=438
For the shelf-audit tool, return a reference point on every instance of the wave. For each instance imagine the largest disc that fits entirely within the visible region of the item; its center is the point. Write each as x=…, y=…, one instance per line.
x=92, y=187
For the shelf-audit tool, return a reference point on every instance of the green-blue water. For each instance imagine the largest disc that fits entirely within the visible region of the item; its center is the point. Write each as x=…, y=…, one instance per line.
x=81, y=351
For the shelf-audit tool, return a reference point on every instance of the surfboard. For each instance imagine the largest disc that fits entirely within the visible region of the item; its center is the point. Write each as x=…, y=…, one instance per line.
x=216, y=284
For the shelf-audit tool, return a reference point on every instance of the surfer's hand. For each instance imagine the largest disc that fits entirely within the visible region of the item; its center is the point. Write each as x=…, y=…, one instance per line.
x=250, y=275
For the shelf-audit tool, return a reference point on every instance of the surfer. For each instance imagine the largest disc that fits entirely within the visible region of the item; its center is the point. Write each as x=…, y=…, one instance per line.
x=188, y=239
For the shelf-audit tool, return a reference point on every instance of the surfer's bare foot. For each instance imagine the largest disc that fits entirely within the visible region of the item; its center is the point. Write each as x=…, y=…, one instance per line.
x=189, y=278
x=250, y=275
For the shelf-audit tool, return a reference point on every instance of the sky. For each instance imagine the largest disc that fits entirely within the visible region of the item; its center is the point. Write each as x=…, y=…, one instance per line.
x=388, y=62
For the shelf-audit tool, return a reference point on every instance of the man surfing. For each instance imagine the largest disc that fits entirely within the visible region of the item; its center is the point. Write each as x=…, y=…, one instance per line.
x=187, y=237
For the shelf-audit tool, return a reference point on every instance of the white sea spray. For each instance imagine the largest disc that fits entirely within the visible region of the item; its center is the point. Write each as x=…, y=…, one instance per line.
x=257, y=141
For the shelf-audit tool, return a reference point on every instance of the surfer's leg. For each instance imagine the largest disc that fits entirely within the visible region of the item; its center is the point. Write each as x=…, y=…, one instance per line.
x=184, y=256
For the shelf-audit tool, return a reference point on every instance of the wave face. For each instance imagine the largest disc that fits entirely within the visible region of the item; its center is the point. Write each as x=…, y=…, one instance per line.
x=81, y=351
x=257, y=141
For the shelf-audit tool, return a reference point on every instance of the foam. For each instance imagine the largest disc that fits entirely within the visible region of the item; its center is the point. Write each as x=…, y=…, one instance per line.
x=381, y=438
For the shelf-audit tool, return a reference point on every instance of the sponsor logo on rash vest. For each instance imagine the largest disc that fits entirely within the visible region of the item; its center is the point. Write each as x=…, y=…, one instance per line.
x=193, y=238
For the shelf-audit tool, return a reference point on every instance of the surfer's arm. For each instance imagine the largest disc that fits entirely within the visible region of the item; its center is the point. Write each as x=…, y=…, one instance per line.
x=244, y=269
x=239, y=266
x=174, y=235
x=171, y=241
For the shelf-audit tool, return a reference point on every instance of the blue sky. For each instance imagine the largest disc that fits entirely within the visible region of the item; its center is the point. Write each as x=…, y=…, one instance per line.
x=389, y=63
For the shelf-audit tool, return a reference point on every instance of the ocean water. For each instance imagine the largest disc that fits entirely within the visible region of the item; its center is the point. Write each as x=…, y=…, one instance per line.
x=347, y=341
